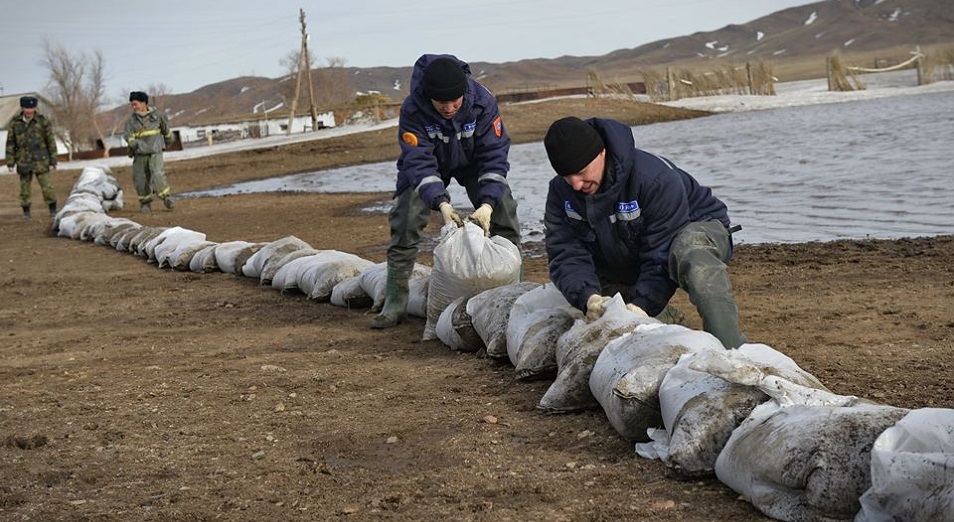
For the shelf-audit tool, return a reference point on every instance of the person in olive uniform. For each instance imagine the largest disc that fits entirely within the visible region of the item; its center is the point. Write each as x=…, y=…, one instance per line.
x=147, y=135
x=31, y=151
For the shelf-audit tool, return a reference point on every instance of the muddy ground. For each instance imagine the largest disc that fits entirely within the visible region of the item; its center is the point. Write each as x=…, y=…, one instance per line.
x=129, y=392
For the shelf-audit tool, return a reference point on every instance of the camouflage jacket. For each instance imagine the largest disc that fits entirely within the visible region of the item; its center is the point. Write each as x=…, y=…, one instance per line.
x=31, y=145
x=147, y=133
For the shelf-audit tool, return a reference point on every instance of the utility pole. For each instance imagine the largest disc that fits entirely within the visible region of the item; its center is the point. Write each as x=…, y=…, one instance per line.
x=307, y=61
x=304, y=65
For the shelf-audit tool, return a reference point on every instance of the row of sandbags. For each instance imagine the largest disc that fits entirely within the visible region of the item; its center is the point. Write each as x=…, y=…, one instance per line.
x=765, y=427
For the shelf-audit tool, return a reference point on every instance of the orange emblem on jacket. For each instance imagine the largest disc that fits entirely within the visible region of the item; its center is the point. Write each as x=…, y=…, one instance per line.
x=409, y=138
x=498, y=126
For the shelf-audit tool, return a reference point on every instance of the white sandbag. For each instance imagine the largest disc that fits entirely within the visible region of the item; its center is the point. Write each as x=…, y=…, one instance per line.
x=626, y=376
x=160, y=248
x=455, y=329
x=374, y=281
x=113, y=227
x=489, y=314
x=69, y=224
x=805, y=463
x=912, y=470
x=465, y=263
x=181, y=258
x=94, y=228
x=700, y=411
x=231, y=256
x=138, y=241
x=279, y=259
x=255, y=264
x=99, y=181
x=322, y=271
x=349, y=294
x=121, y=241
x=204, y=260
x=577, y=351
x=417, y=295
x=286, y=277
x=537, y=320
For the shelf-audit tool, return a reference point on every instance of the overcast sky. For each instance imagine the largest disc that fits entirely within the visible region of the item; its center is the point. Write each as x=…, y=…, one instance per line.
x=186, y=44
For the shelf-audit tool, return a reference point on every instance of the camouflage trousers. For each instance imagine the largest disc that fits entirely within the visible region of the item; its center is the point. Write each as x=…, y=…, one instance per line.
x=46, y=186
x=149, y=177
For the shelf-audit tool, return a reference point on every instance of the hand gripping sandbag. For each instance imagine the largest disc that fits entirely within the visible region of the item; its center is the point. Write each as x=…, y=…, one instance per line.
x=912, y=470
x=576, y=353
x=465, y=263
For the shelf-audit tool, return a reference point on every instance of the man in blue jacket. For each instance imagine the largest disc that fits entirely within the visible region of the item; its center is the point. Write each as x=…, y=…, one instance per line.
x=619, y=219
x=449, y=128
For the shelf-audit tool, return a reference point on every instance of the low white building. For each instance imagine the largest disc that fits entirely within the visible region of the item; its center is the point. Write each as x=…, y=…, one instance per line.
x=253, y=127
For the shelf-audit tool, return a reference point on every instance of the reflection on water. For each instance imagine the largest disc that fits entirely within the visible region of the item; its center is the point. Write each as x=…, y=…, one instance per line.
x=874, y=168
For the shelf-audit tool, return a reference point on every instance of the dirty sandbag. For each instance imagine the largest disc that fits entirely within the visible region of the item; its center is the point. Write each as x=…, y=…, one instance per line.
x=255, y=264
x=349, y=294
x=912, y=470
x=700, y=410
x=286, y=277
x=374, y=281
x=417, y=296
x=112, y=229
x=537, y=320
x=626, y=376
x=489, y=312
x=455, y=328
x=231, y=256
x=325, y=270
x=203, y=261
x=181, y=259
x=138, y=241
x=120, y=239
x=467, y=262
x=805, y=463
x=577, y=351
x=280, y=259
x=159, y=248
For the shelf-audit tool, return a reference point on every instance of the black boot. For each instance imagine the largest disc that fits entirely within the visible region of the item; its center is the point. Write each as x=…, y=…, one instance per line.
x=53, y=208
x=26, y=212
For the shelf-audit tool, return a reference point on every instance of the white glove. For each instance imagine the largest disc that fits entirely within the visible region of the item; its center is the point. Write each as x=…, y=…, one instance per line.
x=636, y=310
x=450, y=215
x=595, y=306
x=481, y=217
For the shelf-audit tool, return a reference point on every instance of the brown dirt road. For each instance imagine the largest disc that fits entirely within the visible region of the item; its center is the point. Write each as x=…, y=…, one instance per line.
x=129, y=392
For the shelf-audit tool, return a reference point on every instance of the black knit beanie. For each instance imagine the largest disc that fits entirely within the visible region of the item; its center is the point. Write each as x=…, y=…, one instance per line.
x=139, y=96
x=28, y=102
x=444, y=80
x=571, y=144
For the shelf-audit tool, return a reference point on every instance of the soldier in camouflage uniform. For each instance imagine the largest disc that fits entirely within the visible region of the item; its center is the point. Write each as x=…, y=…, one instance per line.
x=31, y=149
x=147, y=135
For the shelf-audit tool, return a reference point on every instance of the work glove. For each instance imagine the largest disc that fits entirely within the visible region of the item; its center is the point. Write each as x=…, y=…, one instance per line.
x=450, y=215
x=481, y=217
x=636, y=310
x=595, y=306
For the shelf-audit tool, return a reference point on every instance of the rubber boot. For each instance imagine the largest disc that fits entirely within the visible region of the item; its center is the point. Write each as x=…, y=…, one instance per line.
x=394, y=311
x=169, y=203
x=53, y=208
x=720, y=317
x=145, y=208
x=26, y=212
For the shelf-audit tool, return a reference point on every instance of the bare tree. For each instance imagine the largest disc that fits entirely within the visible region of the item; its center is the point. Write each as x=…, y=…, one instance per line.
x=76, y=93
x=334, y=83
x=156, y=92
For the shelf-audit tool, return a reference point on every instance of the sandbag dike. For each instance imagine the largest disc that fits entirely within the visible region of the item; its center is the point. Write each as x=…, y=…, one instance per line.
x=750, y=417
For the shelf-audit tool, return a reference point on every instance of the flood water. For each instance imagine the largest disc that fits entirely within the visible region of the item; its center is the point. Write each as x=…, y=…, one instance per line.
x=881, y=168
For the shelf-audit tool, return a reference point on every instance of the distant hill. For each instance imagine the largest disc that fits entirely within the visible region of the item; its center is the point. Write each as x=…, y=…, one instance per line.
x=794, y=41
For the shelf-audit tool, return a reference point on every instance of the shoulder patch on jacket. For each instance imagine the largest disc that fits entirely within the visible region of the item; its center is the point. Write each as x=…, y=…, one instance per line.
x=498, y=126
x=409, y=138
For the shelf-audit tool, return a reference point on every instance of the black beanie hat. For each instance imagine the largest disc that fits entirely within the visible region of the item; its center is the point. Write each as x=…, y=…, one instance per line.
x=571, y=144
x=28, y=102
x=444, y=80
x=139, y=96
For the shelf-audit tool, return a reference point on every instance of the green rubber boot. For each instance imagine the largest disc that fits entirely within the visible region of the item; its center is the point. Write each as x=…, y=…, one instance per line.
x=394, y=311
